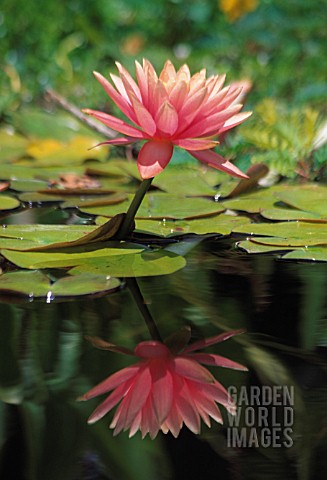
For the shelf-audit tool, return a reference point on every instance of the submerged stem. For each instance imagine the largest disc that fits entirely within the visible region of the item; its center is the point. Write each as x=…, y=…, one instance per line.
x=133, y=208
x=145, y=312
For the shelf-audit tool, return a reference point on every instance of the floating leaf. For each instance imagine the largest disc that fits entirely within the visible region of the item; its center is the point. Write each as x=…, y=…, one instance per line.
x=162, y=205
x=311, y=198
x=314, y=254
x=36, y=284
x=194, y=181
x=28, y=185
x=105, y=261
x=252, y=247
x=70, y=201
x=291, y=214
x=297, y=253
x=287, y=233
x=254, y=202
x=219, y=224
x=8, y=203
x=139, y=265
x=49, y=237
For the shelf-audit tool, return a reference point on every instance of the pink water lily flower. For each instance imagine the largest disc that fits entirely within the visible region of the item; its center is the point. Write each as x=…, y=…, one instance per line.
x=172, y=109
x=165, y=389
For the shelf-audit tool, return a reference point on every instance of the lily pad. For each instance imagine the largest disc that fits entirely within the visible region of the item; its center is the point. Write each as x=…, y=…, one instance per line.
x=105, y=261
x=47, y=237
x=24, y=237
x=71, y=201
x=311, y=198
x=252, y=247
x=184, y=180
x=144, y=264
x=313, y=254
x=35, y=284
x=215, y=225
x=161, y=205
x=8, y=203
x=291, y=214
x=254, y=202
x=287, y=233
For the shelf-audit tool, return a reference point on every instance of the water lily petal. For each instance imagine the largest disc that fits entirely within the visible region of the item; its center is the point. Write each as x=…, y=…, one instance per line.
x=120, y=101
x=217, y=361
x=116, y=124
x=128, y=80
x=112, y=400
x=206, y=342
x=151, y=349
x=167, y=119
x=153, y=158
x=162, y=390
x=144, y=117
x=111, y=382
x=216, y=161
x=234, y=120
x=186, y=367
x=196, y=143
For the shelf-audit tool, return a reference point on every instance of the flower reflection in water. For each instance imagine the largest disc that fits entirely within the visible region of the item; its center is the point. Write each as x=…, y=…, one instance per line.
x=167, y=388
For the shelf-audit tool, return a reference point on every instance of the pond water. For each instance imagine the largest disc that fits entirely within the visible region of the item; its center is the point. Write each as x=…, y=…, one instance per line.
x=46, y=363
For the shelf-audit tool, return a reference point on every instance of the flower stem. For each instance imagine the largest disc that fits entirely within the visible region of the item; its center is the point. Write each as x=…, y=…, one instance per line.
x=127, y=224
x=145, y=312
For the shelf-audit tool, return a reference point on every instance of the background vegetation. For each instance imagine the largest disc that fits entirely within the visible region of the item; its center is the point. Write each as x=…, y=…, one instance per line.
x=281, y=46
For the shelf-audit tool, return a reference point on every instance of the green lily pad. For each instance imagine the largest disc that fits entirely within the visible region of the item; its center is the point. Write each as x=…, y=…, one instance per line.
x=71, y=201
x=254, y=202
x=297, y=253
x=28, y=185
x=35, y=284
x=311, y=198
x=8, y=203
x=291, y=214
x=183, y=180
x=105, y=261
x=161, y=205
x=287, y=233
x=49, y=237
x=219, y=224
x=144, y=264
x=314, y=254
x=24, y=237
x=253, y=247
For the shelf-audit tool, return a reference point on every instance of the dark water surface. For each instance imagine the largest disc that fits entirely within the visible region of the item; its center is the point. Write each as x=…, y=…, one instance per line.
x=46, y=363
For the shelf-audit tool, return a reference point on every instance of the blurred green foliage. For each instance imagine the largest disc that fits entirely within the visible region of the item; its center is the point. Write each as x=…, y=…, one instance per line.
x=281, y=46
